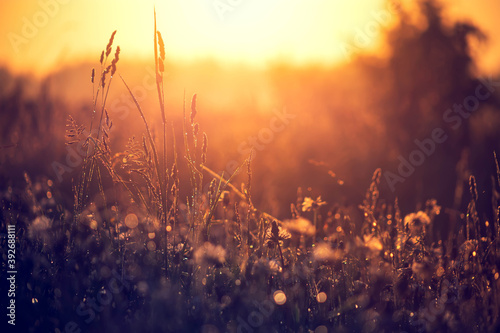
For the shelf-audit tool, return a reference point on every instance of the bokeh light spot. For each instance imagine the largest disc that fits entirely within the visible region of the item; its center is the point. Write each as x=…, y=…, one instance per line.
x=321, y=297
x=131, y=221
x=321, y=329
x=151, y=246
x=279, y=297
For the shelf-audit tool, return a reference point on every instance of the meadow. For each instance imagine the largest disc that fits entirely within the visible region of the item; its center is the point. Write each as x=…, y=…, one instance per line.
x=358, y=203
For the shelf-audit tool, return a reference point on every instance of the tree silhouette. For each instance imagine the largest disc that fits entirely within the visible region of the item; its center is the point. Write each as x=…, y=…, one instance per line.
x=432, y=78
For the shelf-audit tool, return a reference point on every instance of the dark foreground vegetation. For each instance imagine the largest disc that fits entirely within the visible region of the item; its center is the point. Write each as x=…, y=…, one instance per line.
x=146, y=237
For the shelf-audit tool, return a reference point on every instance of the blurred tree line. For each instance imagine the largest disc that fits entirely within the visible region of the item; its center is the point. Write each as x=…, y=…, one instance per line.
x=433, y=84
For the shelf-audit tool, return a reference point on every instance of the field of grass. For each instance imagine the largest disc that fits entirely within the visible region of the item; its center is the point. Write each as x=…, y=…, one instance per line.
x=149, y=238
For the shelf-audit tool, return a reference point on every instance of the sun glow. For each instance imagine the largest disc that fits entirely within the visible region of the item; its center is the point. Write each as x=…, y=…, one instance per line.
x=254, y=32
x=47, y=34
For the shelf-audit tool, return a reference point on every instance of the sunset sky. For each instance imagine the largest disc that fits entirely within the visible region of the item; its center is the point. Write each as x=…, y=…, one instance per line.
x=37, y=36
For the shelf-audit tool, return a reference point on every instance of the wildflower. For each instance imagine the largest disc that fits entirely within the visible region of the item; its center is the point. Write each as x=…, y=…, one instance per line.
x=324, y=254
x=309, y=204
x=418, y=218
x=416, y=222
x=275, y=234
x=300, y=226
x=210, y=254
x=373, y=243
x=264, y=266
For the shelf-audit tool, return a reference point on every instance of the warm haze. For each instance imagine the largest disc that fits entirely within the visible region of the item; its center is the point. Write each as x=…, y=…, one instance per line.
x=41, y=36
x=250, y=166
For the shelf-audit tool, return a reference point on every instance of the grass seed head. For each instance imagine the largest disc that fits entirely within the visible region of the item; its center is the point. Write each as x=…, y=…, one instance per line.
x=193, y=108
x=162, y=46
x=103, y=77
x=115, y=60
x=275, y=234
x=161, y=66
x=110, y=43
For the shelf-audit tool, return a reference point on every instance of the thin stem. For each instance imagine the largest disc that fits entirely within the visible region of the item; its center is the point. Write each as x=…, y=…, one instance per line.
x=281, y=255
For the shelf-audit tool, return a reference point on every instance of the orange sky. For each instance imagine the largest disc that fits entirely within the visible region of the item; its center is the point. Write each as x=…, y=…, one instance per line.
x=38, y=35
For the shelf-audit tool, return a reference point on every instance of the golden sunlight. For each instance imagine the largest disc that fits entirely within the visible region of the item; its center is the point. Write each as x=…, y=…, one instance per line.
x=239, y=31
x=253, y=32
x=250, y=165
